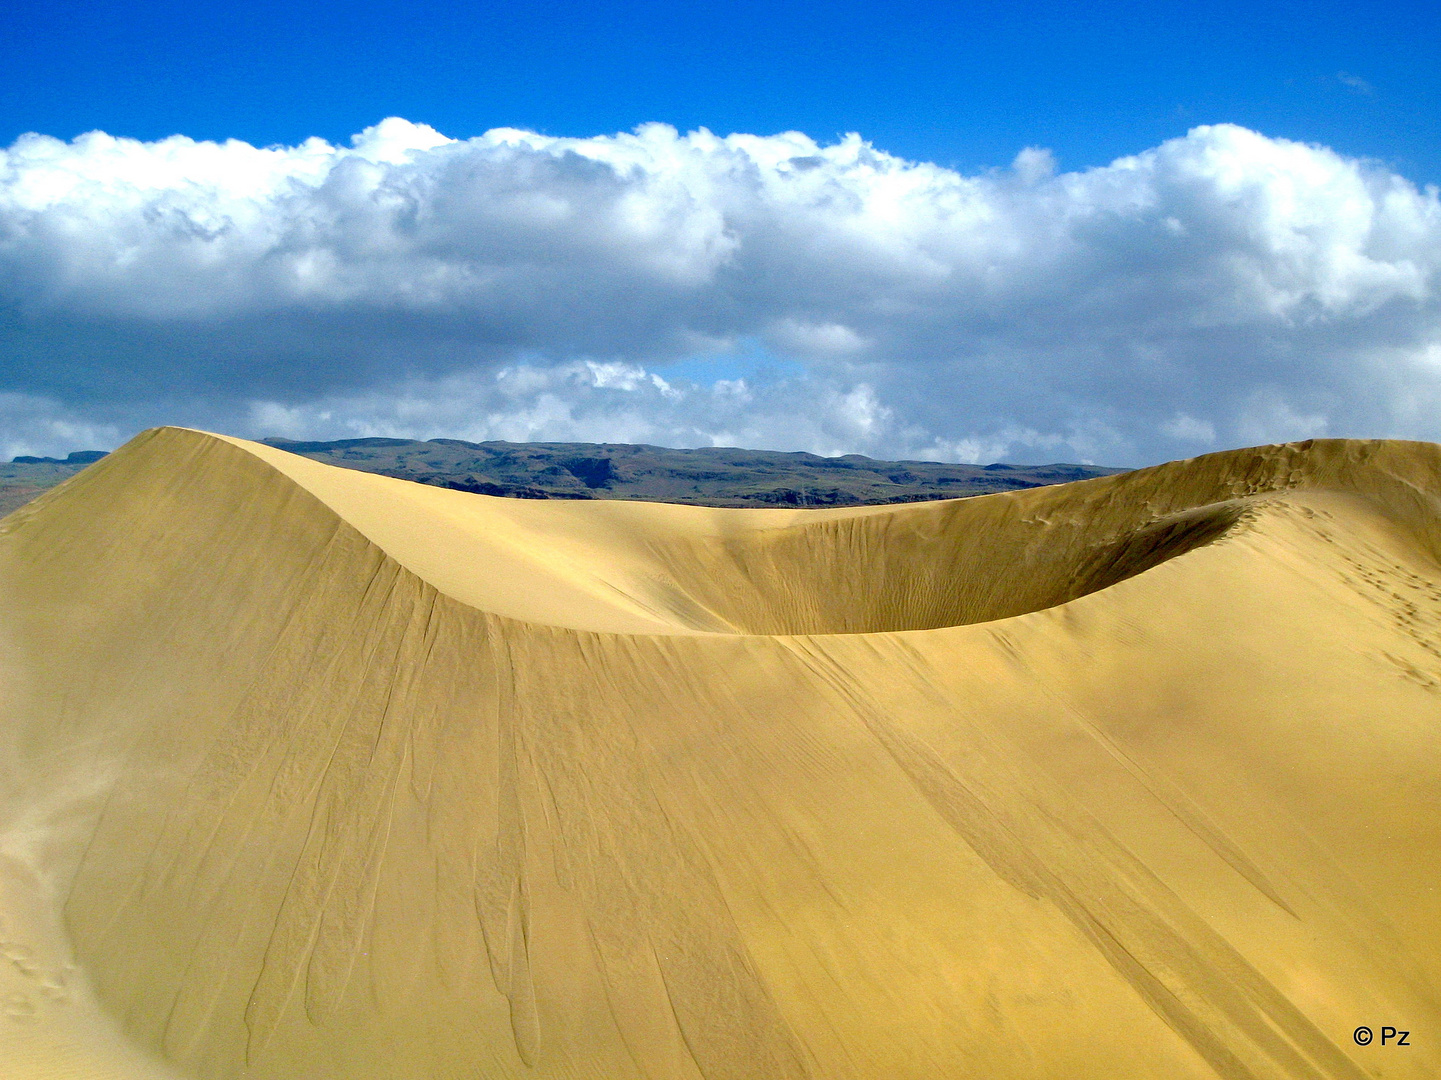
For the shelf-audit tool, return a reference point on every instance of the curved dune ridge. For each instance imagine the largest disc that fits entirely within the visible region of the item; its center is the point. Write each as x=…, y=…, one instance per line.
x=309, y=773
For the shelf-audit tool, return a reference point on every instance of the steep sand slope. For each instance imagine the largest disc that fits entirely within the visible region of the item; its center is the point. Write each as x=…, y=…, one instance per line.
x=308, y=773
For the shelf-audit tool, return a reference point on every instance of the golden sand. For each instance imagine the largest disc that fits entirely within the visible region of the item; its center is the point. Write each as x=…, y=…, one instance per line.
x=310, y=773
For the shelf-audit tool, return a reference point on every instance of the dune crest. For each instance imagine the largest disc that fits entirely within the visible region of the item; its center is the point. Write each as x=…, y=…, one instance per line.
x=316, y=773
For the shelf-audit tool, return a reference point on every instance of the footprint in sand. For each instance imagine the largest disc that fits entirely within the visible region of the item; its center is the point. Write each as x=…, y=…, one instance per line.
x=53, y=986
x=17, y=1006
x=21, y=957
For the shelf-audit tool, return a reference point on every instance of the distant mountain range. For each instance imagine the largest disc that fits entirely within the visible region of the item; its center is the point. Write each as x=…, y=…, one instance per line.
x=26, y=477
x=79, y=458
x=709, y=476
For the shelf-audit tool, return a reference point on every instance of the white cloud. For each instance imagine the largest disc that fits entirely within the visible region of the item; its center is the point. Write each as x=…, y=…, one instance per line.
x=593, y=402
x=1185, y=428
x=39, y=426
x=1220, y=288
x=809, y=339
x=1356, y=83
x=1034, y=164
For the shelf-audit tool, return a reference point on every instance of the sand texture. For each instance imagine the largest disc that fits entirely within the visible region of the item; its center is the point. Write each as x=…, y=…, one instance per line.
x=313, y=773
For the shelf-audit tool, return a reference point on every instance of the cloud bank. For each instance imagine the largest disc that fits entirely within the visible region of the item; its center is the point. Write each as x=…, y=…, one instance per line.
x=1221, y=289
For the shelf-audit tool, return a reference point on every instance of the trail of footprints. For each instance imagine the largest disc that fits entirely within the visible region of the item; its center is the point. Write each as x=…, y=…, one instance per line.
x=38, y=982
x=1411, y=602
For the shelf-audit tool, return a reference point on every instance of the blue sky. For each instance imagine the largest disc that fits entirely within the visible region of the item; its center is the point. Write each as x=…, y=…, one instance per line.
x=1114, y=233
x=964, y=85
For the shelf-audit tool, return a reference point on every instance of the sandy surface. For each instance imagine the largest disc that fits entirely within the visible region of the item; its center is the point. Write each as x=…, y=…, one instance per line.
x=310, y=773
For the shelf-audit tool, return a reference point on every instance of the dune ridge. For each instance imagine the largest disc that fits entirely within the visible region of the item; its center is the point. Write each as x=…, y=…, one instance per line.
x=318, y=773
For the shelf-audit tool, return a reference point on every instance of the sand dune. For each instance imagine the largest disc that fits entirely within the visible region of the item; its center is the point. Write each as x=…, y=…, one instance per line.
x=308, y=773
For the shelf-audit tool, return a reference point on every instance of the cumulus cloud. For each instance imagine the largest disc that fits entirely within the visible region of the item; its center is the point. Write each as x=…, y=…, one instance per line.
x=1219, y=289
x=586, y=401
